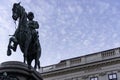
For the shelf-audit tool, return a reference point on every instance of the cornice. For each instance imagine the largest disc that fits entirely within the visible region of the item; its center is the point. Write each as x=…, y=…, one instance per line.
x=84, y=67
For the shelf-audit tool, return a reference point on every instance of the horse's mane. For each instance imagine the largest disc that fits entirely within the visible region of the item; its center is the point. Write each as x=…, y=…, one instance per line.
x=22, y=8
x=23, y=16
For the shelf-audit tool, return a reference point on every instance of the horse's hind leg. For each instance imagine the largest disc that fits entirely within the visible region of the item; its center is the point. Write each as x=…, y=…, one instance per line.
x=38, y=64
x=29, y=61
x=23, y=59
x=27, y=42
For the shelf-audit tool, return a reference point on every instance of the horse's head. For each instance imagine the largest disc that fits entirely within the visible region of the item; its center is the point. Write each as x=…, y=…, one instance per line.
x=16, y=11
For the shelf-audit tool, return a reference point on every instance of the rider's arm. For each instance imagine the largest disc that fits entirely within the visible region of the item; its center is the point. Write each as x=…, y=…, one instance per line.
x=36, y=25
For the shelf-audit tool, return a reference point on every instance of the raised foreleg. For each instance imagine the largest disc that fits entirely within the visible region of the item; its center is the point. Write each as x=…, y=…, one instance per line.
x=13, y=47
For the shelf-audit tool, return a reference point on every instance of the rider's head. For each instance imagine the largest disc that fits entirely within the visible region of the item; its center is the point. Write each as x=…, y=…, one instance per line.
x=30, y=15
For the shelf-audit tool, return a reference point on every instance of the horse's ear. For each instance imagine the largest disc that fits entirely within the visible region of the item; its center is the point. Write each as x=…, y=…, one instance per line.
x=19, y=3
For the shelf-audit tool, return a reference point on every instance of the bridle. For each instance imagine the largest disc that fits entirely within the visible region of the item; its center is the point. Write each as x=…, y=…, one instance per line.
x=15, y=10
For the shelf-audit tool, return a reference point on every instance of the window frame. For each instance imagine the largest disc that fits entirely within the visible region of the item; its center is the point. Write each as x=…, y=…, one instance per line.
x=93, y=78
x=112, y=74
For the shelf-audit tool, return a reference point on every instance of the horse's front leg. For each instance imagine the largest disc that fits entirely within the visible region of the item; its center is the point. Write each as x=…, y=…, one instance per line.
x=14, y=47
x=9, y=47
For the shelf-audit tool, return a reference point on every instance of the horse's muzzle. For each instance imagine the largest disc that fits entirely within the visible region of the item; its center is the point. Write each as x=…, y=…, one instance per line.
x=14, y=17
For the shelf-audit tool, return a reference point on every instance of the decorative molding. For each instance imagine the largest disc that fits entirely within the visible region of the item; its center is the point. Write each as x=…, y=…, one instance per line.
x=102, y=73
x=93, y=69
x=85, y=77
x=5, y=76
x=118, y=71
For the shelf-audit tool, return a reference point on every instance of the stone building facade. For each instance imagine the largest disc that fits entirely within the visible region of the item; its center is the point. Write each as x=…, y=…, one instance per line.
x=104, y=65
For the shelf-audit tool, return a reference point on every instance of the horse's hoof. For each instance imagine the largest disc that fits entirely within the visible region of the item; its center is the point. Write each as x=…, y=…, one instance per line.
x=29, y=67
x=8, y=52
x=39, y=67
x=35, y=67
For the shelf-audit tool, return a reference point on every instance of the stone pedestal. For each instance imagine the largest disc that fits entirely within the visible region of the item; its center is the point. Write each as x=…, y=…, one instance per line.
x=14, y=70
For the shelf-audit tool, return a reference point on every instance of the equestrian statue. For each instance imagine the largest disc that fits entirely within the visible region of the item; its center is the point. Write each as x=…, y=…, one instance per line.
x=25, y=36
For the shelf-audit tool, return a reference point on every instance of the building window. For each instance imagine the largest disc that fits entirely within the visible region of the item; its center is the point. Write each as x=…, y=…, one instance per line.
x=112, y=76
x=94, y=78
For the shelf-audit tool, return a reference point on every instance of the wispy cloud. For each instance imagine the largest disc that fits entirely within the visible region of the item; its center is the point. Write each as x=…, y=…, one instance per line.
x=68, y=28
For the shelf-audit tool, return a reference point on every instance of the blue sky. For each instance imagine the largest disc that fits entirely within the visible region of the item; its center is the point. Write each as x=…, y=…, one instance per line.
x=68, y=28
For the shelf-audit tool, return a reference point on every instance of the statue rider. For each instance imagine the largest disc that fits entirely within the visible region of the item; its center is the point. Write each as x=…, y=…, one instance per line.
x=33, y=25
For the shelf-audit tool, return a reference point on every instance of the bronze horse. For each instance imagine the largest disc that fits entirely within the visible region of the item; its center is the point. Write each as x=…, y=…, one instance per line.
x=30, y=47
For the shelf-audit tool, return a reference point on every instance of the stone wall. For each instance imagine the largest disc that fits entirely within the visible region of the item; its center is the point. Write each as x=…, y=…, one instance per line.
x=14, y=70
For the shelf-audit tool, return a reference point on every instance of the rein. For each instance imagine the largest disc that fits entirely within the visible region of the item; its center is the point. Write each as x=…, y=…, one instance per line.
x=15, y=24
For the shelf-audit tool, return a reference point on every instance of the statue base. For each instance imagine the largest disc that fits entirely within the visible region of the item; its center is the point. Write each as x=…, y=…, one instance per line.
x=14, y=70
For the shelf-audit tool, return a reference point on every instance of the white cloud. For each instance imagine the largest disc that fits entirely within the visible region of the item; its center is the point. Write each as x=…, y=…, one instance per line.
x=67, y=28
x=104, y=6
